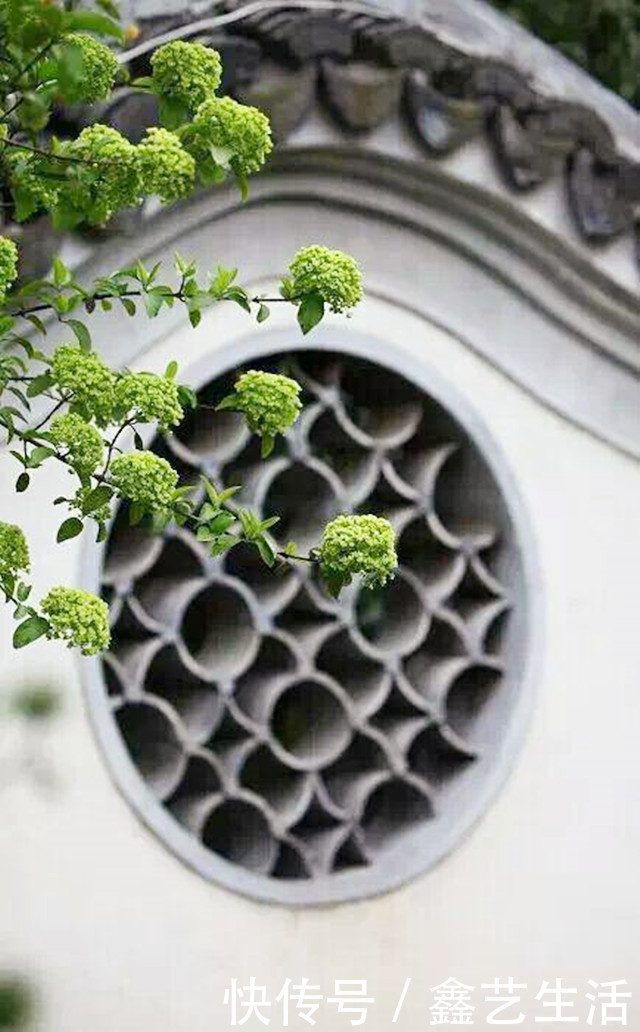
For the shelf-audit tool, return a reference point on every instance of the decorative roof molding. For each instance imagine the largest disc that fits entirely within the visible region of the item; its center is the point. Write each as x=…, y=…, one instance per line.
x=367, y=65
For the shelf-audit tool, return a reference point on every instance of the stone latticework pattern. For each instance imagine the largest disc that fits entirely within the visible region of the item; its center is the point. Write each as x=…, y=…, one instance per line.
x=296, y=736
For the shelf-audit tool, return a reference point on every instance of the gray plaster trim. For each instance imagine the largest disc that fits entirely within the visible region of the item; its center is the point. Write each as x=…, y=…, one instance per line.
x=475, y=28
x=575, y=348
x=352, y=885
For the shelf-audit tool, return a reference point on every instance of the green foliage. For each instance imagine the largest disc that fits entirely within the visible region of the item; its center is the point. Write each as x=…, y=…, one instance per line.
x=270, y=402
x=166, y=168
x=8, y=265
x=34, y=702
x=16, y=1003
x=188, y=73
x=14, y=552
x=146, y=479
x=603, y=36
x=86, y=378
x=87, y=68
x=235, y=136
x=87, y=415
x=322, y=276
x=148, y=398
x=83, y=441
x=353, y=545
x=79, y=618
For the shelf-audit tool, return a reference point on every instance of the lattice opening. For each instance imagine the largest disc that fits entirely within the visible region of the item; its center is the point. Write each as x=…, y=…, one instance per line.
x=296, y=737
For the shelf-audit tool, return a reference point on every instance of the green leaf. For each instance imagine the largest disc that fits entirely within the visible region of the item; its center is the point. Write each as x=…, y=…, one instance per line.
x=291, y=549
x=266, y=552
x=195, y=315
x=187, y=397
x=221, y=523
x=204, y=534
x=22, y=482
x=97, y=498
x=171, y=112
x=267, y=446
x=40, y=384
x=37, y=323
x=211, y=492
x=38, y=455
x=228, y=493
x=128, y=305
x=263, y=313
x=69, y=529
x=82, y=333
x=240, y=297
x=153, y=303
x=144, y=82
x=243, y=186
x=61, y=274
x=136, y=512
x=91, y=21
x=310, y=312
x=31, y=629
x=223, y=544
x=334, y=582
x=229, y=402
x=171, y=370
x=269, y=523
x=223, y=279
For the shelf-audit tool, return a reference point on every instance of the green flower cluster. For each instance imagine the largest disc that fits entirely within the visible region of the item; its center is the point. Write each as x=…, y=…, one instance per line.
x=359, y=544
x=98, y=69
x=188, y=72
x=79, y=618
x=100, y=515
x=114, y=184
x=145, y=478
x=90, y=380
x=83, y=440
x=242, y=130
x=150, y=398
x=333, y=275
x=8, y=265
x=166, y=169
x=270, y=401
x=14, y=551
x=35, y=190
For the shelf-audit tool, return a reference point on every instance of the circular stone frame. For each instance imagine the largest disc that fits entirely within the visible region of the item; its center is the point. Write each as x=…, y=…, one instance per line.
x=427, y=847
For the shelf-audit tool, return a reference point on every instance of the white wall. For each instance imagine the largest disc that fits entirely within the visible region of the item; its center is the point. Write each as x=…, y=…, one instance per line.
x=122, y=938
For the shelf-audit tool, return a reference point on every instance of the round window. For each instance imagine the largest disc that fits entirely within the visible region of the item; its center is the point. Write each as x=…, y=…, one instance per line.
x=289, y=746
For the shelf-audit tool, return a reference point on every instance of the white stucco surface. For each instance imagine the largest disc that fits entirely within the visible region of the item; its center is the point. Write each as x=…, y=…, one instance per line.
x=120, y=936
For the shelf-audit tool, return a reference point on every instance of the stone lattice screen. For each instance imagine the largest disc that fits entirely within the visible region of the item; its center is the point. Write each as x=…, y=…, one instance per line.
x=306, y=741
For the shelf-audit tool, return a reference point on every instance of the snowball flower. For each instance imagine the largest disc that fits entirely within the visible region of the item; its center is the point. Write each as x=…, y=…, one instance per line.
x=8, y=265
x=359, y=544
x=116, y=183
x=83, y=440
x=14, y=551
x=188, y=72
x=145, y=478
x=79, y=618
x=34, y=190
x=98, y=69
x=333, y=275
x=270, y=401
x=150, y=397
x=242, y=130
x=90, y=380
x=165, y=166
